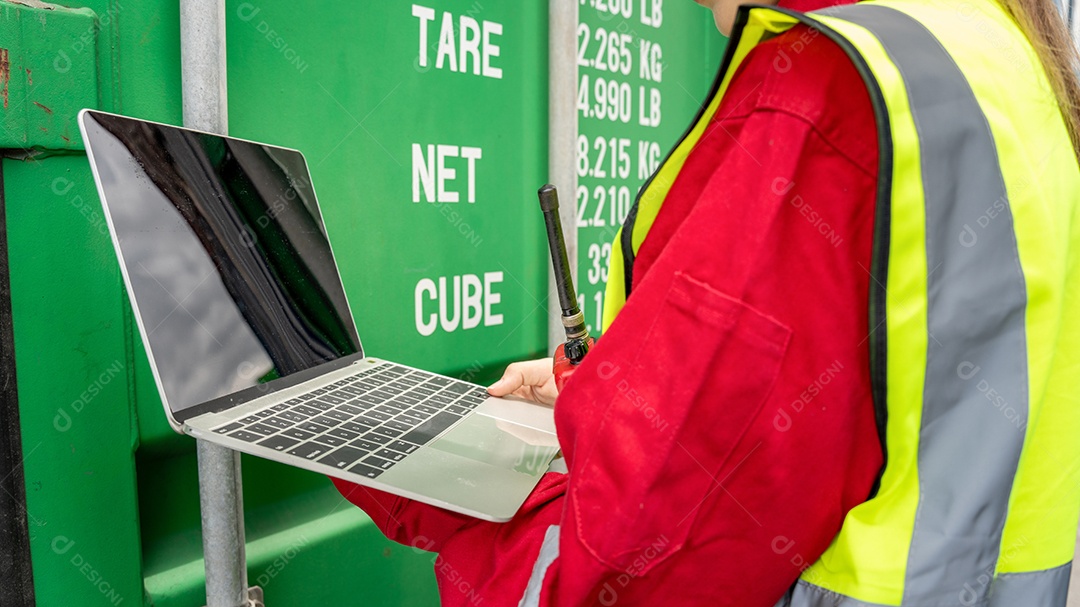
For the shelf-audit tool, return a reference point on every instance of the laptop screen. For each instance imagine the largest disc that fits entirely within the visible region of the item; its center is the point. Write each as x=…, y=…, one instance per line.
x=226, y=257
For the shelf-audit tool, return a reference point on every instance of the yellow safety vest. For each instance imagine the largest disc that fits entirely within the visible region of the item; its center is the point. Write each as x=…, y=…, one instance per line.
x=975, y=355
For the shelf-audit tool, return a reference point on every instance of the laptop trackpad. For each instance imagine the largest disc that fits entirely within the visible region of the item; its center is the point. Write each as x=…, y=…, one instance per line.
x=519, y=411
x=500, y=443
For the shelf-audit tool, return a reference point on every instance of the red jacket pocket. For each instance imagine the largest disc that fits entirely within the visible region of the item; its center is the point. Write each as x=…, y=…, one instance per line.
x=675, y=416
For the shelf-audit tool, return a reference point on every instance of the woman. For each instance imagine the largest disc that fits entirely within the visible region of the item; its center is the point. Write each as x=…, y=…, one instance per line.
x=844, y=370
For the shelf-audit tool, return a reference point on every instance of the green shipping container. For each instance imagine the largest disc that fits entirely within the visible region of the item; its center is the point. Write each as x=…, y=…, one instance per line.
x=425, y=128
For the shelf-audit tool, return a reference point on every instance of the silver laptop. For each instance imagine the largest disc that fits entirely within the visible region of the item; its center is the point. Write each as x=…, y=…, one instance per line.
x=251, y=340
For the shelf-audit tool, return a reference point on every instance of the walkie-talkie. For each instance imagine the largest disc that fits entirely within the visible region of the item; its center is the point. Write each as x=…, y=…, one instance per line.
x=569, y=354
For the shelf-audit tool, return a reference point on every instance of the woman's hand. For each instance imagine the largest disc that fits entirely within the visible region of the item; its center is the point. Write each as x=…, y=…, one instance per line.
x=531, y=379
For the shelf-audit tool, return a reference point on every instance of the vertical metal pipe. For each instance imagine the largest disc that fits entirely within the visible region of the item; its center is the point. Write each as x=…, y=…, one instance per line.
x=205, y=98
x=562, y=141
x=202, y=65
x=222, y=503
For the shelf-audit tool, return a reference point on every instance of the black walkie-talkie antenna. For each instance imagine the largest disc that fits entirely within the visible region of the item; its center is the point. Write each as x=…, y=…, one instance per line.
x=577, y=336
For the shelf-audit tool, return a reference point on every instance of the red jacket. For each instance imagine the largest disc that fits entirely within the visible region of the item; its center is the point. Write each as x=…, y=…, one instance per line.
x=719, y=432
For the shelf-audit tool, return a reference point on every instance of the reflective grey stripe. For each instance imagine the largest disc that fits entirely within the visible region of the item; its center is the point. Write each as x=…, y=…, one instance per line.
x=969, y=444
x=1048, y=588
x=549, y=551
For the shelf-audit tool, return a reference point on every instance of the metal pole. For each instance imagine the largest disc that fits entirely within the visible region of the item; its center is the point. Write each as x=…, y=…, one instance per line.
x=205, y=98
x=562, y=141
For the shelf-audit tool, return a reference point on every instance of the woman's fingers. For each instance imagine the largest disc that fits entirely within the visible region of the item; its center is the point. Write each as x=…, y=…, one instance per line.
x=523, y=378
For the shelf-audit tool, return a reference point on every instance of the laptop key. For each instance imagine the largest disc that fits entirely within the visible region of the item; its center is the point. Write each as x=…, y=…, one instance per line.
x=426, y=409
x=338, y=415
x=357, y=426
x=366, y=445
x=244, y=435
x=290, y=402
x=251, y=419
x=281, y=407
x=375, y=437
x=277, y=422
x=393, y=456
x=350, y=409
x=343, y=433
x=376, y=415
x=297, y=434
x=390, y=409
x=261, y=429
x=378, y=462
x=292, y=416
x=264, y=413
x=365, y=471
x=384, y=431
x=229, y=428
x=306, y=410
x=313, y=427
x=326, y=439
x=402, y=446
x=458, y=388
x=359, y=404
x=457, y=409
x=309, y=450
x=396, y=425
x=342, y=458
x=411, y=421
x=278, y=443
x=431, y=428
x=326, y=421
x=330, y=398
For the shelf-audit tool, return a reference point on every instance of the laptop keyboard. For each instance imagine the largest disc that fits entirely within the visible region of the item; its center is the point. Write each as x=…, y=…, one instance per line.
x=365, y=423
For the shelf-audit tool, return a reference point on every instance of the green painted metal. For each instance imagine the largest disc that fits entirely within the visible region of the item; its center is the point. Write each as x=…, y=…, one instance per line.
x=111, y=490
x=48, y=71
x=645, y=69
x=71, y=353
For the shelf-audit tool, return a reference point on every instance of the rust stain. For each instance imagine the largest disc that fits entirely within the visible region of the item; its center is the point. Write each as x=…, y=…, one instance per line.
x=5, y=75
x=66, y=140
x=47, y=110
x=29, y=78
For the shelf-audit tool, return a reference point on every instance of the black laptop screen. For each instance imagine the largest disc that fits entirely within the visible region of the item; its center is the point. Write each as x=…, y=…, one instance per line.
x=226, y=257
